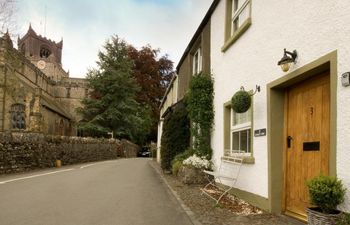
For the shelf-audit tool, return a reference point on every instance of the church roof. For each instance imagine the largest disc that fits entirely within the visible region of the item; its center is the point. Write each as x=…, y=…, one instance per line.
x=32, y=33
x=51, y=105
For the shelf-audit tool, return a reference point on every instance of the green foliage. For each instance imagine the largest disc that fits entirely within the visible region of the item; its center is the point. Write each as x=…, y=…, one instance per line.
x=241, y=101
x=177, y=162
x=326, y=192
x=154, y=150
x=176, y=135
x=199, y=101
x=92, y=130
x=184, y=155
x=344, y=220
x=112, y=105
x=176, y=167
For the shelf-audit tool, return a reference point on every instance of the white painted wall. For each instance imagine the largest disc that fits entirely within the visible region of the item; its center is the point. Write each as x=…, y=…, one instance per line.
x=314, y=28
x=159, y=136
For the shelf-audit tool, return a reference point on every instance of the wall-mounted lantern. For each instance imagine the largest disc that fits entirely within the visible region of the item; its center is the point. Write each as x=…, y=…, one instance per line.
x=287, y=60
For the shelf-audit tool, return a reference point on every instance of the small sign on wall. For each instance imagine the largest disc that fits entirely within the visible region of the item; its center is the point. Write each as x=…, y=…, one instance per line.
x=260, y=132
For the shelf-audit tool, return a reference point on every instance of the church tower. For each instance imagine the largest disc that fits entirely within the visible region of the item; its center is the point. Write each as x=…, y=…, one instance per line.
x=44, y=53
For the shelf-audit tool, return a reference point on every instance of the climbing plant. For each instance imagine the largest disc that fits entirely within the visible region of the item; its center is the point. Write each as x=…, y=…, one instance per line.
x=199, y=101
x=176, y=134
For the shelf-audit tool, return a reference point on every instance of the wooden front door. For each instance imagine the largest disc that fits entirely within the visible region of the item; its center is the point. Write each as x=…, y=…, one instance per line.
x=307, y=139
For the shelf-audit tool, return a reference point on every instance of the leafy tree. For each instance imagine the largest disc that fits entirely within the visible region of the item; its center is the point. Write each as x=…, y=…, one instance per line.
x=112, y=105
x=152, y=73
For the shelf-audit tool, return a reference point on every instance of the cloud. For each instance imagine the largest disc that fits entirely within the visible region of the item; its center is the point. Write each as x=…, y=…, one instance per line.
x=86, y=24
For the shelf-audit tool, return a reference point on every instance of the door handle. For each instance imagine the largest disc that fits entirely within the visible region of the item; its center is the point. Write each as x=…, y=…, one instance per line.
x=289, y=141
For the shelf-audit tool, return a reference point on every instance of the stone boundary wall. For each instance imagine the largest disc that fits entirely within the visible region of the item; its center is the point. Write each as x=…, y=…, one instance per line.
x=27, y=151
x=129, y=149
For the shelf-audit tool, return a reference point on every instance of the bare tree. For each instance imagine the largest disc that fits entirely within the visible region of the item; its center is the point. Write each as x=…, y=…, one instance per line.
x=7, y=10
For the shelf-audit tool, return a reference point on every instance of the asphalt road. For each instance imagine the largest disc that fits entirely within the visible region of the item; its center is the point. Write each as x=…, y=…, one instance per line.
x=125, y=191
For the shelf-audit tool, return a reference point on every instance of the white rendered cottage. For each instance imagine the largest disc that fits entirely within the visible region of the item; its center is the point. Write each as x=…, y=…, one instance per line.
x=307, y=103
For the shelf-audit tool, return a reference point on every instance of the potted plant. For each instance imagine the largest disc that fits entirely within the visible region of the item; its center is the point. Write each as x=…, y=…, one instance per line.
x=326, y=193
x=241, y=101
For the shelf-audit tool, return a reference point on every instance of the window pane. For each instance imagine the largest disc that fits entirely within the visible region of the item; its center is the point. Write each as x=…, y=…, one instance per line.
x=18, y=116
x=240, y=3
x=13, y=120
x=22, y=122
x=235, y=141
x=244, y=15
x=197, y=62
x=239, y=118
x=234, y=6
x=235, y=25
x=249, y=141
x=241, y=141
x=244, y=143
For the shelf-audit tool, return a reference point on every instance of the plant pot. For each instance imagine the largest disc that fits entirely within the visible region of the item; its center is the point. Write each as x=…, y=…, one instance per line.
x=316, y=217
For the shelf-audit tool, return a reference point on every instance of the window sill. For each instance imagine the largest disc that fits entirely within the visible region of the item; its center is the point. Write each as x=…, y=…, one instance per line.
x=237, y=34
x=246, y=159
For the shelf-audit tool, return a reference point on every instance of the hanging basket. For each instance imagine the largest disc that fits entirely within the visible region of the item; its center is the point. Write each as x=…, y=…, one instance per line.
x=241, y=101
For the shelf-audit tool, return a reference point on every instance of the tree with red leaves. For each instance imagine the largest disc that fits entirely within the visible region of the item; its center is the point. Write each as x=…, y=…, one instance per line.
x=153, y=74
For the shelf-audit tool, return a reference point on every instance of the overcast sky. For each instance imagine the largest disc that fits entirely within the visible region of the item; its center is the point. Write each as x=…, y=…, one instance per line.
x=85, y=25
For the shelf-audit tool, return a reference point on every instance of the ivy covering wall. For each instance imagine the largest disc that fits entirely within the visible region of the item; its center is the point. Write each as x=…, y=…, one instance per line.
x=199, y=103
x=176, y=134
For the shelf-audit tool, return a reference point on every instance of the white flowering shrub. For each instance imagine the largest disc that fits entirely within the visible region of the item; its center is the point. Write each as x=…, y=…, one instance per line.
x=197, y=162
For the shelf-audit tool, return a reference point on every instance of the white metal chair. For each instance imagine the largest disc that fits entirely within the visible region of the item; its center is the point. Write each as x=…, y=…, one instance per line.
x=228, y=171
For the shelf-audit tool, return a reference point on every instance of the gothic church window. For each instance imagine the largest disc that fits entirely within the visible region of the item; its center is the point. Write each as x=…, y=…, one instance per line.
x=18, y=116
x=44, y=52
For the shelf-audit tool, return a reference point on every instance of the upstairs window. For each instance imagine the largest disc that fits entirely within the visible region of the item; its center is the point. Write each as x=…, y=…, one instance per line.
x=44, y=52
x=18, y=116
x=238, y=19
x=240, y=14
x=197, y=62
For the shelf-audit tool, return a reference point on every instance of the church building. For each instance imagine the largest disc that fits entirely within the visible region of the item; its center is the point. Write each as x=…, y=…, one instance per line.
x=36, y=93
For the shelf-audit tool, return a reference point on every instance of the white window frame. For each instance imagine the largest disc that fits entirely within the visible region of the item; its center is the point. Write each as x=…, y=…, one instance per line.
x=197, y=63
x=236, y=12
x=237, y=128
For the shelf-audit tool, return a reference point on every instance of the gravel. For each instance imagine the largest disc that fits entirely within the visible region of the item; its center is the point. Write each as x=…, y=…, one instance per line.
x=231, y=210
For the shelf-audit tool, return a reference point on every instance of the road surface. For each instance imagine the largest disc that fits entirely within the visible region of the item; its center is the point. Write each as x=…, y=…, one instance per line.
x=121, y=192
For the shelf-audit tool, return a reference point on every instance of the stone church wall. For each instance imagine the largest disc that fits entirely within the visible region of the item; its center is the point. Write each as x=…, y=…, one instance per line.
x=52, y=123
x=70, y=92
x=27, y=151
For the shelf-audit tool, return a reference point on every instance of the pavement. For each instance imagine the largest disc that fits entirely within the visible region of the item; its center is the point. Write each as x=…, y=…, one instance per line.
x=125, y=191
x=203, y=210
